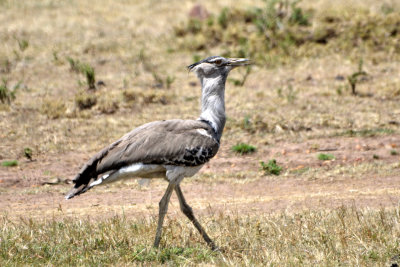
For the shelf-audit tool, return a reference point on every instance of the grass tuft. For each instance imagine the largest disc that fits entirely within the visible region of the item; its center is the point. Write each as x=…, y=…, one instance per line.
x=7, y=95
x=271, y=167
x=323, y=156
x=53, y=108
x=9, y=163
x=85, y=100
x=85, y=69
x=28, y=153
x=23, y=44
x=243, y=148
x=89, y=73
x=108, y=105
x=354, y=78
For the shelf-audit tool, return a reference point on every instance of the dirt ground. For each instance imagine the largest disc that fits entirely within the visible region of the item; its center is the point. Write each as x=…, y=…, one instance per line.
x=363, y=174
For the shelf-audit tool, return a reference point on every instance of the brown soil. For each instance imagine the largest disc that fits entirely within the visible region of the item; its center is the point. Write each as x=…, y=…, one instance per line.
x=24, y=191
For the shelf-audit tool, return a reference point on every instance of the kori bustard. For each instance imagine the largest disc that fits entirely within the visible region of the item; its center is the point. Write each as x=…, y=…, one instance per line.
x=172, y=149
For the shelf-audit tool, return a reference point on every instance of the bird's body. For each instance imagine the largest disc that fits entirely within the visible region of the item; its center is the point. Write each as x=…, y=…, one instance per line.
x=171, y=149
x=149, y=151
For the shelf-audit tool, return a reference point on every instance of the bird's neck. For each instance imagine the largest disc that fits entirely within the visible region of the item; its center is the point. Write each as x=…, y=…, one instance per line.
x=213, y=103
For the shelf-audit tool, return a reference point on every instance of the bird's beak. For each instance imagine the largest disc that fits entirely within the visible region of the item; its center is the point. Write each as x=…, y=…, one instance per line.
x=236, y=62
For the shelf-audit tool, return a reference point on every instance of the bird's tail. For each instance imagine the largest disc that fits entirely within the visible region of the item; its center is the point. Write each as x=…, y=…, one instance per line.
x=85, y=177
x=79, y=189
x=84, y=180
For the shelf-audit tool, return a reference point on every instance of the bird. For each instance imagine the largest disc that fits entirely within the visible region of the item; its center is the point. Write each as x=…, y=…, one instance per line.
x=170, y=149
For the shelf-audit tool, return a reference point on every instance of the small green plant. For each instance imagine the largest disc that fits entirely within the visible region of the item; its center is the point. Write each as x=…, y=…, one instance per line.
x=354, y=78
x=339, y=90
x=9, y=163
x=28, y=153
x=74, y=64
x=324, y=157
x=88, y=71
x=375, y=156
x=393, y=152
x=298, y=16
x=7, y=95
x=85, y=69
x=243, y=148
x=271, y=167
x=169, y=80
x=23, y=44
x=246, y=122
x=56, y=58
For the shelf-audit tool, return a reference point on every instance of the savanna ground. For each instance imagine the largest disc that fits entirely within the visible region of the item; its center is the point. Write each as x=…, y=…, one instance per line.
x=294, y=104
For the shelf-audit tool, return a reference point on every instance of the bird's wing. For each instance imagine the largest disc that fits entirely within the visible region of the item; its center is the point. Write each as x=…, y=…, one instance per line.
x=174, y=142
x=171, y=142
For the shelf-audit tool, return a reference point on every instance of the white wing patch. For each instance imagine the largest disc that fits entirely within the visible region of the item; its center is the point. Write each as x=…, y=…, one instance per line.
x=204, y=132
x=132, y=171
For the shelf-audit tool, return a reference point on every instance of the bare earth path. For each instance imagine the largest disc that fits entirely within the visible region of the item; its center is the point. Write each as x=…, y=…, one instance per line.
x=364, y=174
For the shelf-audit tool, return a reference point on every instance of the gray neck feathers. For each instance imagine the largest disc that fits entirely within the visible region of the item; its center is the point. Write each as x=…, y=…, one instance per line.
x=213, y=102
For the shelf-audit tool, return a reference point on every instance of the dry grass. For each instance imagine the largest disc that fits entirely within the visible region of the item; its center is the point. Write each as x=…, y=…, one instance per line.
x=344, y=236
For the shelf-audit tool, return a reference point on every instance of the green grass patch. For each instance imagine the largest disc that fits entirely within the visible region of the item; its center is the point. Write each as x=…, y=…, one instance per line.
x=243, y=148
x=271, y=167
x=393, y=152
x=323, y=156
x=9, y=163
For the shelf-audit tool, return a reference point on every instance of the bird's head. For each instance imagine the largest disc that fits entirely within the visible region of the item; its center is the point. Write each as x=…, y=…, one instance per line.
x=216, y=66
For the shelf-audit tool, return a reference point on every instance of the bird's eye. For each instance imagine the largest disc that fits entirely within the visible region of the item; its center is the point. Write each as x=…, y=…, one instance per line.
x=218, y=61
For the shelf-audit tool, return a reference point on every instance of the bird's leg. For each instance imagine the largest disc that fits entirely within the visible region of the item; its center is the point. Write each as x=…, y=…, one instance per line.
x=187, y=210
x=163, y=207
